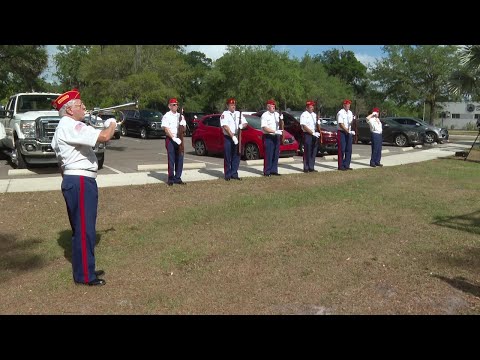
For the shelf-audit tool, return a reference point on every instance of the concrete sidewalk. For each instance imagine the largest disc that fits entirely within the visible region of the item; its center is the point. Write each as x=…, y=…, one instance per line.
x=246, y=170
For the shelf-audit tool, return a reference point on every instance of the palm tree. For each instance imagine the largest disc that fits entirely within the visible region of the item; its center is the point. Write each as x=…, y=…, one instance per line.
x=466, y=81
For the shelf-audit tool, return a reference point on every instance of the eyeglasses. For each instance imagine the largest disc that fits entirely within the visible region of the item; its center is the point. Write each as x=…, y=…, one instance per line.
x=81, y=105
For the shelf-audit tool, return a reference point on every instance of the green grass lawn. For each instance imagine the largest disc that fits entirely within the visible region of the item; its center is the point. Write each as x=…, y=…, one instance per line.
x=392, y=240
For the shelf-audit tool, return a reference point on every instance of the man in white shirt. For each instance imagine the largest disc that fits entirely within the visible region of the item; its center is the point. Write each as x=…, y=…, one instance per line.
x=345, y=136
x=170, y=122
x=73, y=144
x=308, y=121
x=231, y=126
x=271, y=139
x=377, y=137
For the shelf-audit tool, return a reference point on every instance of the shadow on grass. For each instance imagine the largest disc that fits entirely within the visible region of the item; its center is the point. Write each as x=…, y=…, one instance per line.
x=17, y=256
x=65, y=241
x=468, y=222
x=462, y=284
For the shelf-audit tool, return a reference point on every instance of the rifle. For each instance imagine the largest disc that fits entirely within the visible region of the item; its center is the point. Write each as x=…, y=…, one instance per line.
x=318, y=126
x=355, y=122
x=282, y=126
x=239, y=135
x=181, y=130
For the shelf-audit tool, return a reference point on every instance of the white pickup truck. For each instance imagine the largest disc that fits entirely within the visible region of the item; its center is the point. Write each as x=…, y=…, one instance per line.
x=27, y=125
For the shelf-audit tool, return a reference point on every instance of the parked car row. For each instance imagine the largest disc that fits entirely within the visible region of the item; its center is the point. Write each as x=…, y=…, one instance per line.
x=403, y=131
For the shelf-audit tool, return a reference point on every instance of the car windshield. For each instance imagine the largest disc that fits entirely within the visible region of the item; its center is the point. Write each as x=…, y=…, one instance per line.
x=151, y=115
x=254, y=121
x=39, y=102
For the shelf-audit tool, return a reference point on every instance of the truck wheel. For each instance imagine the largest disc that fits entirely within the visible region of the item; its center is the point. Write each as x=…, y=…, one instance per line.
x=19, y=160
x=100, y=159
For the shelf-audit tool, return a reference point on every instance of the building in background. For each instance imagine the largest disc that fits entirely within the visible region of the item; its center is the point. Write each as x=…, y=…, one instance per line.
x=462, y=115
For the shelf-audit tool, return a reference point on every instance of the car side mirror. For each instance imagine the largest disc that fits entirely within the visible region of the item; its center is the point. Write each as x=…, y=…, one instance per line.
x=417, y=124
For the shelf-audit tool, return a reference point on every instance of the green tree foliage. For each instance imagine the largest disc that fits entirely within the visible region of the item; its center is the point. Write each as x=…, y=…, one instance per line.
x=199, y=65
x=410, y=75
x=68, y=60
x=344, y=64
x=253, y=74
x=327, y=91
x=466, y=80
x=151, y=74
x=21, y=67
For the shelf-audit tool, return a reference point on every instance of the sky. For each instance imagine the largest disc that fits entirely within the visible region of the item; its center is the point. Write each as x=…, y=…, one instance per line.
x=366, y=54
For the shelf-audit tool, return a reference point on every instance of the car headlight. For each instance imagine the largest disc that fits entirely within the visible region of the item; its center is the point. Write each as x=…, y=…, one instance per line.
x=28, y=128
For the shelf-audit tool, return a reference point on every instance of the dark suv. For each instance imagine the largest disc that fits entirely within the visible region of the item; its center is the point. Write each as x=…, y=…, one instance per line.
x=145, y=123
x=191, y=119
x=432, y=133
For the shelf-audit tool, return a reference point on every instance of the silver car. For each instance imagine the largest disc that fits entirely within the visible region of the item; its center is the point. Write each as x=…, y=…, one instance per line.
x=432, y=133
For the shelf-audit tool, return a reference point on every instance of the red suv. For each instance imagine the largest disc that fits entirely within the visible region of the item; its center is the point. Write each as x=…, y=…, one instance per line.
x=292, y=125
x=208, y=138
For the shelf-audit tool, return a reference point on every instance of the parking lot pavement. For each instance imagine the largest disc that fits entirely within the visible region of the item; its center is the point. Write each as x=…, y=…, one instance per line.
x=52, y=182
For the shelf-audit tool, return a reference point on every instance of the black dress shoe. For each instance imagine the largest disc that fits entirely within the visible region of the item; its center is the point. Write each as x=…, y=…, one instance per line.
x=349, y=168
x=181, y=183
x=305, y=171
x=170, y=183
x=99, y=273
x=276, y=174
x=313, y=170
x=94, y=282
x=267, y=175
x=227, y=179
x=373, y=165
x=237, y=178
x=342, y=169
x=379, y=165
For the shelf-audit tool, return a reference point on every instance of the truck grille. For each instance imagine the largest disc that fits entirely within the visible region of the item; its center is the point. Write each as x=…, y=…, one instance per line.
x=46, y=128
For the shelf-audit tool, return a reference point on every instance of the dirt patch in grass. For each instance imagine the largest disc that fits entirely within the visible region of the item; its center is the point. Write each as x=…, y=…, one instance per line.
x=397, y=240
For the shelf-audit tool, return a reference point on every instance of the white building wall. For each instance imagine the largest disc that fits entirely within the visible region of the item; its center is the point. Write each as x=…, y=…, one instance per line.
x=458, y=114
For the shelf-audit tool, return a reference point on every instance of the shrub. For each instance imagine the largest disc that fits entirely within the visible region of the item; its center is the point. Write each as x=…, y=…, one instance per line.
x=470, y=126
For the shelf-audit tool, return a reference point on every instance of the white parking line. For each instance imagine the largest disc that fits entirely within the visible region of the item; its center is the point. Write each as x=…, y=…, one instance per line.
x=114, y=170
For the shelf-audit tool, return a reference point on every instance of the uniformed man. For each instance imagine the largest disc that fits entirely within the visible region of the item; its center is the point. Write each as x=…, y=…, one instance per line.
x=73, y=142
x=308, y=121
x=271, y=139
x=231, y=125
x=345, y=136
x=376, y=137
x=170, y=122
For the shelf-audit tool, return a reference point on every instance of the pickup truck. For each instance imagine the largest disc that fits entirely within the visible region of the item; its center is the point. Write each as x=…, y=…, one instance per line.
x=27, y=125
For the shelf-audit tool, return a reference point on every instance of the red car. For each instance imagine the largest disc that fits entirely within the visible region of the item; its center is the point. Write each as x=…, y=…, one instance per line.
x=208, y=138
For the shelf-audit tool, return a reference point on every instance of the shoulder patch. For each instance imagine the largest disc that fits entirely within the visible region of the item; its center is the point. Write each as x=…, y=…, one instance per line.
x=79, y=126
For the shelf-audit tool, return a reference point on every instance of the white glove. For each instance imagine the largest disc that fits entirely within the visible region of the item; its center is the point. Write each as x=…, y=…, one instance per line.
x=281, y=116
x=352, y=132
x=183, y=123
x=319, y=122
x=109, y=121
x=235, y=140
x=278, y=132
x=177, y=140
x=316, y=134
